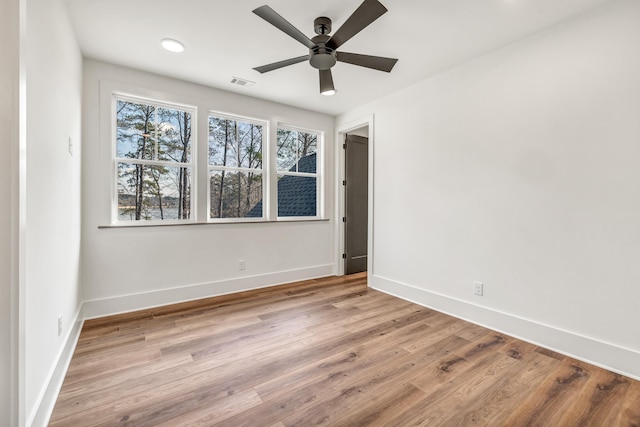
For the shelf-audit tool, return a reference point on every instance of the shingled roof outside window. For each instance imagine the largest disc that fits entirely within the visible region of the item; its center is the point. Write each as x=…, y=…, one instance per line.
x=296, y=194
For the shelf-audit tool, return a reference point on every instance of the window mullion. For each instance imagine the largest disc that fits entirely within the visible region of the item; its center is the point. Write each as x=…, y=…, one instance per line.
x=145, y=162
x=303, y=174
x=155, y=133
x=271, y=210
x=202, y=172
x=234, y=169
x=237, y=141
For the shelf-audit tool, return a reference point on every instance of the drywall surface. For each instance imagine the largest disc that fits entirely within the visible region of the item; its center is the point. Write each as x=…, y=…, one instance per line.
x=520, y=170
x=140, y=261
x=52, y=239
x=9, y=122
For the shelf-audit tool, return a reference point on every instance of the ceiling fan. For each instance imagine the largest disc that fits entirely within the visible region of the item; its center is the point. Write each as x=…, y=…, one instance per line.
x=323, y=52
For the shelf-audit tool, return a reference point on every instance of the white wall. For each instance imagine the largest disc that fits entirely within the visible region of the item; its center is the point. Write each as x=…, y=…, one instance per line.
x=52, y=245
x=521, y=170
x=136, y=267
x=9, y=102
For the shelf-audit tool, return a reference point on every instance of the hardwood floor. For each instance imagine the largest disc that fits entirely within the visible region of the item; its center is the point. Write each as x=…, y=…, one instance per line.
x=326, y=352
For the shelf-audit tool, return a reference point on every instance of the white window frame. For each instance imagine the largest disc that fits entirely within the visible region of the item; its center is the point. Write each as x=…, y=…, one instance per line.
x=318, y=175
x=115, y=160
x=264, y=171
x=198, y=166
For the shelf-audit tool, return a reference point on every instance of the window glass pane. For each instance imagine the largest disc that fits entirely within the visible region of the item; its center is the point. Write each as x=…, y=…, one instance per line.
x=287, y=150
x=296, y=196
x=147, y=192
x=135, y=135
x=249, y=145
x=235, y=194
x=307, y=148
x=293, y=146
x=222, y=142
x=174, y=135
x=308, y=163
x=234, y=143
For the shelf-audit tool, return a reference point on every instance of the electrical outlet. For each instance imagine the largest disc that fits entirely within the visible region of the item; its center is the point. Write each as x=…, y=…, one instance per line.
x=478, y=288
x=242, y=264
x=60, y=325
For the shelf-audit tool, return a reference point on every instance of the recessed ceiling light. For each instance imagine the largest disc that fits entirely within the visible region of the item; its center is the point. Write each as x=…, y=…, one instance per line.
x=172, y=45
x=329, y=92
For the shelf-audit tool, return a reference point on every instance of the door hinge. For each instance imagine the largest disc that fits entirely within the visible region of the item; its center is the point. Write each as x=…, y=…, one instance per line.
x=344, y=256
x=344, y=146
x=344, y=219
x=344, y=182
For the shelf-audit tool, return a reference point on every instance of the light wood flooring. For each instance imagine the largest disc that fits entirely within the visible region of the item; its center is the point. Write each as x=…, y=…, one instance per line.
x=326, y=352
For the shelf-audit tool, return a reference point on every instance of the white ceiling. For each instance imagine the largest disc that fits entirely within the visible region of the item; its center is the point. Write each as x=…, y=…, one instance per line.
x=224, y=39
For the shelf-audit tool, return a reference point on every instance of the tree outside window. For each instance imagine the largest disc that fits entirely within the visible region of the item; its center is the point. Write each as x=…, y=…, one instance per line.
x=235, y=168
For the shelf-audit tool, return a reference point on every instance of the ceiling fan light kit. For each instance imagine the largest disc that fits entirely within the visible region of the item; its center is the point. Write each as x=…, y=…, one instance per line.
x=323, y=48
x=326, y=83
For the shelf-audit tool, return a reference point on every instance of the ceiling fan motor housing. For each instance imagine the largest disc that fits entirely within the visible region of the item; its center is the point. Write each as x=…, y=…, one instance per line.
x=322, y=56
x=322, y=25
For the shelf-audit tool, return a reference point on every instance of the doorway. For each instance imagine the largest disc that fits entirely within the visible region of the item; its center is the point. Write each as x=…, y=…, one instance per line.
x=356, y=211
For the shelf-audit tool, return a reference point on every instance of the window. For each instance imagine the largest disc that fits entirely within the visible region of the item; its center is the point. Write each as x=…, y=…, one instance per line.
x=297, y=160
x=235, y=168
x=153, y=161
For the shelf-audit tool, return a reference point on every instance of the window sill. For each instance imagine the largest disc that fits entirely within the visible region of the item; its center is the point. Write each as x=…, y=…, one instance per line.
x=183, y=224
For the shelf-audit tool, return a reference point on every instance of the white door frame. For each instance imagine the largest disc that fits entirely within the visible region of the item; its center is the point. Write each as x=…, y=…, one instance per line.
x=339, y=243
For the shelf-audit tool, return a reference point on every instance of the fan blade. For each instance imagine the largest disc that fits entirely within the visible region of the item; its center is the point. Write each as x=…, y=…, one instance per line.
x=272, y=17
x=376, y=62
x=365, y=14
x=280, y=64
x=326, y=82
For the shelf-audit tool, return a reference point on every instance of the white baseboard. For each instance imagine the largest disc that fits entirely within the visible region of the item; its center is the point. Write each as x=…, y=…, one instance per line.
x=609, y=356
x=605, y=355
x=126, y=303
x=49, y=394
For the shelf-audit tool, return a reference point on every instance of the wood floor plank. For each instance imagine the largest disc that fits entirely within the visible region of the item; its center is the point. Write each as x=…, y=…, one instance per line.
x=629, y=414
x=199, y=326
x=599, y=401
x=380, y=409
x=109, y=362
x=325, y=351
x=207, y=415
x=505, y=393
x=338, y=375
x=208, y=381
x=364, y=386
x=439, y=330
x=455, y=395
x=555, y=396
x=98, y=416
x=99, y=382
x=157, y=412
x=352, y=361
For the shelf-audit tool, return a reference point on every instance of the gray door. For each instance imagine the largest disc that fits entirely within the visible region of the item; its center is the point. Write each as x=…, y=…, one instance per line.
x=356, y=203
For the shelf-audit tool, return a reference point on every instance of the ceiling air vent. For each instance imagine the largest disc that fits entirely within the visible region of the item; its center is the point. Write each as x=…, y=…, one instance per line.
x=242, y=82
